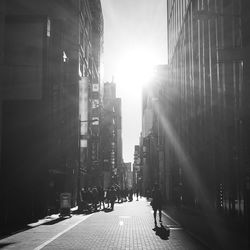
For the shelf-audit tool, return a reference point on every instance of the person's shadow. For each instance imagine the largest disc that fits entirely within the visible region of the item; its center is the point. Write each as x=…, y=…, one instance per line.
x=108, y=210
x=162, y=232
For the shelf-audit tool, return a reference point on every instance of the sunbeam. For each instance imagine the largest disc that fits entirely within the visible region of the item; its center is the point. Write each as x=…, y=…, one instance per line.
x=189, y=170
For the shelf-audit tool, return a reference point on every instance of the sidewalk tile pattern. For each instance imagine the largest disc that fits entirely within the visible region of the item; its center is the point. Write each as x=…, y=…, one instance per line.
x=129, y=226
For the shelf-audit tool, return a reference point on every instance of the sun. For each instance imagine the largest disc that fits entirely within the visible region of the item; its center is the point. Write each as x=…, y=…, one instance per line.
x=134, y=68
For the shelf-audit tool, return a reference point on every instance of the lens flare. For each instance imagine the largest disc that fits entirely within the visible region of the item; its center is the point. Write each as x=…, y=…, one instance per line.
x=134, y=69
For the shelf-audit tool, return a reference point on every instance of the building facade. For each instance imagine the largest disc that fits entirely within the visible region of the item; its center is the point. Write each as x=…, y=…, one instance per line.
x=207, y=99
x=137, y=169
x=46, y=66
x=128, y=176
x=118, y=108
x=111, y=137
x=92, y=173
x=154, y=168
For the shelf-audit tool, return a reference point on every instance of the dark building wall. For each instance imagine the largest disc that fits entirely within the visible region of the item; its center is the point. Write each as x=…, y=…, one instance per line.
x=97, y=33
x=206, y=47
x=245, y=151
x=94, y=110
x=23, y=173
x=25, y=119
x=95, y=93
x=39, y=65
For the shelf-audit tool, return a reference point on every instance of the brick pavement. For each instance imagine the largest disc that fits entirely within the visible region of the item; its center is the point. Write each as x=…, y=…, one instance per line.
x=129, y=226
x=37, y=235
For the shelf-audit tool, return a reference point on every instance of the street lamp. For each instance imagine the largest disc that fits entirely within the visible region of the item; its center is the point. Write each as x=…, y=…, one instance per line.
x=79, y=155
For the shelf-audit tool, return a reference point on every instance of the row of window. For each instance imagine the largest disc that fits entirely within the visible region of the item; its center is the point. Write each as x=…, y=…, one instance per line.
x=231, y=7
x=226, y=11
x=85, y=39
x=176, y=13
x=207, y=101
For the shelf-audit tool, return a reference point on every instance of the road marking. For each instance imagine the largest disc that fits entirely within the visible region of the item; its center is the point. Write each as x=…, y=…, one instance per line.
x=177, y=224
x=61, y=233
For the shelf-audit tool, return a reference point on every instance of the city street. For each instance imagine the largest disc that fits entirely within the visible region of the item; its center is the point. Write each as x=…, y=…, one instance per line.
x=103, y=100
x=129, y=226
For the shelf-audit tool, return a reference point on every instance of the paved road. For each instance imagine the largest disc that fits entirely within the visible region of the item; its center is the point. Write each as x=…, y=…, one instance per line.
x=129, y=226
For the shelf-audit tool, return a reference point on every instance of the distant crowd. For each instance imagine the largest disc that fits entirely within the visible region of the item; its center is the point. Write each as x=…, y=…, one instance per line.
x=96, y=198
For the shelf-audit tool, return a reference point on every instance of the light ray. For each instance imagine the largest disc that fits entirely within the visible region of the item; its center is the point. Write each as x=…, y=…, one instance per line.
x=190, y=171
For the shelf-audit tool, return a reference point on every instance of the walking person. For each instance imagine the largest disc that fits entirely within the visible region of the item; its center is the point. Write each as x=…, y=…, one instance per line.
x=83, y=199
x=130, y=195
x=137, y=194
x=147, y=193
x=89, y=199
x=101, y=197
x=95, y=195
x=112, y=197
x=107, y=197
x=156, y=203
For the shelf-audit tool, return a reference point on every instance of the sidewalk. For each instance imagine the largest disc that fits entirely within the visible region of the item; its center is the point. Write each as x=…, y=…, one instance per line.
x=214, y=232
x=129, y=226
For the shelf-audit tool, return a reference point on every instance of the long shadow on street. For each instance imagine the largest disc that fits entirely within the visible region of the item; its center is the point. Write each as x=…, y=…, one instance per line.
x=162, y=232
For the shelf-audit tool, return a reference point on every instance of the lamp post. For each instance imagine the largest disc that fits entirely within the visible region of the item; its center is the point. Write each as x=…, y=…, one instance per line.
x=85, y=136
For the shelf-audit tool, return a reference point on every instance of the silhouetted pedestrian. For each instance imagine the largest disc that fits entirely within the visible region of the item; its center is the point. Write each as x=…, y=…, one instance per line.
x=101, y=197
x=119, y=195
x=112, y=197
x=156, y=202
x=83, y=199
x=126, y=194
x=130, y=195
x=95, y=196
x=147, y=193
x=137, y=194
x=89, y=199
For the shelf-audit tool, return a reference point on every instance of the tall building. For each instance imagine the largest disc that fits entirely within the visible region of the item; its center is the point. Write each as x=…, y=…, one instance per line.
x=208, y=49
x=128, y=176
x=47, y=66
x=153, y=165
x=137, y=169
x=111, y=137
x=92, y=173
x=118, y=118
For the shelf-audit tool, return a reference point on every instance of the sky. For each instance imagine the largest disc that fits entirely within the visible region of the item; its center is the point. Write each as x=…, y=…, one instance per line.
x=134, y=41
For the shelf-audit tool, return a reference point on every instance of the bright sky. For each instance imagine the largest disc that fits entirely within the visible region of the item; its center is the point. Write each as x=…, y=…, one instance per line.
x=134, y=40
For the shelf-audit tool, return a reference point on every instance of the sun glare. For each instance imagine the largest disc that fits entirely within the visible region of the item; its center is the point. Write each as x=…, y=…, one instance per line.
x=135, y=68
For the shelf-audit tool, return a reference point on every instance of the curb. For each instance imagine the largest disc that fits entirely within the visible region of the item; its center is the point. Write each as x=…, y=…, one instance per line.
x=192, y=235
